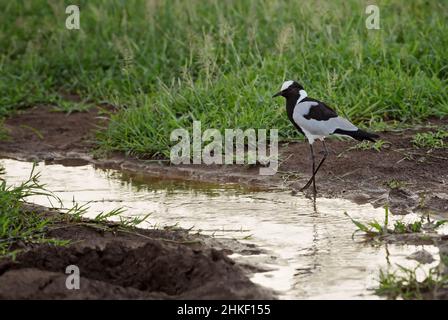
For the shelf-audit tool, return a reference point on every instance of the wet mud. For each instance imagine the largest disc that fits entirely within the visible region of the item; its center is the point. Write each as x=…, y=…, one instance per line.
x=406, y=178
x=293, y=245
x=114, y=264
x=167, y=264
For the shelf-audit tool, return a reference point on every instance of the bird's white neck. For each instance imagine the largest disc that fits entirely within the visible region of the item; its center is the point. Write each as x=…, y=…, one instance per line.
x=302, y=96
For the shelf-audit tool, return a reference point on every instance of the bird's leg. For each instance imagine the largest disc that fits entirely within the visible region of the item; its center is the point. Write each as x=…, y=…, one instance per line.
x=313, y=176
x=312, y=173
x=312, y=179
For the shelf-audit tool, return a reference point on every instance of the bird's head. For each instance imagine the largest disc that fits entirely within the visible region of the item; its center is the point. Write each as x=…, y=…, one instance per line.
x=289, y=89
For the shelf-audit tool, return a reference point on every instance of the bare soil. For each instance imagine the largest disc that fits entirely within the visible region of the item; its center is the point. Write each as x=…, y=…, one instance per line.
x=421, y=175
x=116, y=264
x=40, y=131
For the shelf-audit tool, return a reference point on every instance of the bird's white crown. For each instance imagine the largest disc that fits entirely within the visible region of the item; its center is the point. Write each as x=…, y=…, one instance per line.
x=286, y=84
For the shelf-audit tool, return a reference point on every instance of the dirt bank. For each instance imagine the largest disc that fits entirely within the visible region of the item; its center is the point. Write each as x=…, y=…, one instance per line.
x=132, y=264
x=407, y=178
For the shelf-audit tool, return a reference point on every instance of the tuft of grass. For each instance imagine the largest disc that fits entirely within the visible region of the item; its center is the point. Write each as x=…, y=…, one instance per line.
x=133, y=222
x=376, y=229
x=396, y=184
x=432, y=140
x=221, y=61
x=413, y=227
x=404, y=284
x=76, y=214
x=104, y=217
x=69, y=107
x=30, y=227
x=367, y=145
x=17, y=225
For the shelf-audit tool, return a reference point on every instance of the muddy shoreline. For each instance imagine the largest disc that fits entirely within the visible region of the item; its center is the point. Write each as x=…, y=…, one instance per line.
x=118, y=263
x=167, y=264
x=400, y=175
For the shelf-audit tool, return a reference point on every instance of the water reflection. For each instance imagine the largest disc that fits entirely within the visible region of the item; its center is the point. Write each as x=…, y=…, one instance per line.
x=306, y=245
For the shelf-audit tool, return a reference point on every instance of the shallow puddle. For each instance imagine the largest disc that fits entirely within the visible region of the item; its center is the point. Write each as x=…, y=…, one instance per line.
x=306, y=247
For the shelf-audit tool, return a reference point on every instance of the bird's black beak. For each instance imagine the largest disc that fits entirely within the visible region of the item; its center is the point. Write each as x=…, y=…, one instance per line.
x=278, y=94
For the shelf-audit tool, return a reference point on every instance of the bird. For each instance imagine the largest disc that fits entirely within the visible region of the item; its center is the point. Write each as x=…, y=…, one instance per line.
x=316, y=120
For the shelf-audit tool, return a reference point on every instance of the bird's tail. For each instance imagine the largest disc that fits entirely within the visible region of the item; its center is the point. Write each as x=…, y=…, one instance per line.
x=359, y=134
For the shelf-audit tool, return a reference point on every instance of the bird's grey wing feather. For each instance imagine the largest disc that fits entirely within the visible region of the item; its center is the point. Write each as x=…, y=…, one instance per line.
x=342, y=123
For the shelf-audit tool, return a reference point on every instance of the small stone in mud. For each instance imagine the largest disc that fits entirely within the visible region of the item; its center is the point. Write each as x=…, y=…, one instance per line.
x=422, y=256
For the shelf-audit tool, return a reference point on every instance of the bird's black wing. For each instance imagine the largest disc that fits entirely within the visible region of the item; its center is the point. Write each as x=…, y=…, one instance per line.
x=319, y=111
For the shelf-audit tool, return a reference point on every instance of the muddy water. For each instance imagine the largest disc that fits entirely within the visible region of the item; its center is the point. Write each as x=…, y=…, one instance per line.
x=305, y=247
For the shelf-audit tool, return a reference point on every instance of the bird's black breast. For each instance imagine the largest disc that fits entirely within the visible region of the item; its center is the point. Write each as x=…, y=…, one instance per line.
x=290, y=104
x=319, y=112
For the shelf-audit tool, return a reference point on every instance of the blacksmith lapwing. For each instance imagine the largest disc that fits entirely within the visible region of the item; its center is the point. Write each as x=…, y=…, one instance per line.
x=316, y=121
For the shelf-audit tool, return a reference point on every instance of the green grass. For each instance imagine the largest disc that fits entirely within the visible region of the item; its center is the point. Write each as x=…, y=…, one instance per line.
x=112, y=221
x=166, y=63
x=30, y=227
x=367, y=145
x=17, y=225
x=377, y=145
x=404, y=284
x=432, y=140
x=375, y=229
x=72, y=106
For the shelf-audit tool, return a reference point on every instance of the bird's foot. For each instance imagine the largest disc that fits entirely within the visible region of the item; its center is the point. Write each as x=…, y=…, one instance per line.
x=305, y=187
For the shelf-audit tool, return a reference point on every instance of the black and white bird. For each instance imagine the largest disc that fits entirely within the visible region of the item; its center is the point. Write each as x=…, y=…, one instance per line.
x=316, y=121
